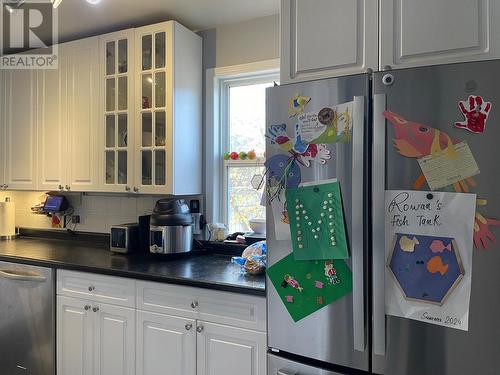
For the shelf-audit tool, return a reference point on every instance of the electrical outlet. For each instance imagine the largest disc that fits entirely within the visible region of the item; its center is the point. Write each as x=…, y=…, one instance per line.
x=75, y=219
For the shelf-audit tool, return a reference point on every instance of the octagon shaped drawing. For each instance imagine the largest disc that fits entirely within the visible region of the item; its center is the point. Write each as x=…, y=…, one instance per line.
x=426, y=268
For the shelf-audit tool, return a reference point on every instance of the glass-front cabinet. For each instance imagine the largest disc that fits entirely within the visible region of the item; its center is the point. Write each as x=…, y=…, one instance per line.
x=154, y=108
x=117, y=130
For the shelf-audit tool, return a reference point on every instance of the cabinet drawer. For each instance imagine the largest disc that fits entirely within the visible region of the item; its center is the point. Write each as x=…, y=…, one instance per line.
x=234, y=309
x=107, y=289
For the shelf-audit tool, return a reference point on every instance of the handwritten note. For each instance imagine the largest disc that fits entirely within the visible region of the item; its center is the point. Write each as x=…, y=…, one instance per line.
x=441, y=170
x=432, y=282
x=310, y=127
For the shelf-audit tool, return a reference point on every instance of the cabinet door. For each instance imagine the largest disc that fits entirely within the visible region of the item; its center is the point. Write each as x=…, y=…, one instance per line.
x=74, y=337
x=52, y=124
x=225, y=350
x=428, y=32
x=165, y=345
x=20, y=128
x=325, y=38
x=154, y=108
x=117, y=107
x=83, y=114
x=114, y=340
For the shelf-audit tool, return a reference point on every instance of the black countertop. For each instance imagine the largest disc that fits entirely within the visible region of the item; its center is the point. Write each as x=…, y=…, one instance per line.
x=200, y=268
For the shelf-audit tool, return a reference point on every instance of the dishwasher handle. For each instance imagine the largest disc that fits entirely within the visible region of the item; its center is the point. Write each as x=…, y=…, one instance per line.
x=22, y=276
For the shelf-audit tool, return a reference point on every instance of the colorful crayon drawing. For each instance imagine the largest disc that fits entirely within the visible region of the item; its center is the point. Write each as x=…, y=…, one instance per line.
x=421, y=275
x=414, y=140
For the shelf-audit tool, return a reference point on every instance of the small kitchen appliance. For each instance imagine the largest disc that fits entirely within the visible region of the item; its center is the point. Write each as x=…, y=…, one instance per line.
x=124, y=238
x=171, y=227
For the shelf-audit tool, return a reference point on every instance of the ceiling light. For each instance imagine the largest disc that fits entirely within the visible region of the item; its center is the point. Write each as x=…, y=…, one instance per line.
x=93, y=2
x=56, y=3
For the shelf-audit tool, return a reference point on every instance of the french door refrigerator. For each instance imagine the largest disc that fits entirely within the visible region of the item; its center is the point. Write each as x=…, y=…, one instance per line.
x=337, y=336
x=430, y=96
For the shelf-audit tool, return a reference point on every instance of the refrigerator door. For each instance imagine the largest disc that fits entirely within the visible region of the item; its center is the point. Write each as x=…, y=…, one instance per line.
x=430, y=96
x=337, y=333
x=281, y=366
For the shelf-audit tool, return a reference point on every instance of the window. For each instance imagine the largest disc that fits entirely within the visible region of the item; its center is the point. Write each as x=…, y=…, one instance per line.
x=243, y=124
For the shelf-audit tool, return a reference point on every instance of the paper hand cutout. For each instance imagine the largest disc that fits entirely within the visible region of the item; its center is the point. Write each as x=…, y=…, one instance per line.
x=482, y=232
x=475, y=115
x=317, y=153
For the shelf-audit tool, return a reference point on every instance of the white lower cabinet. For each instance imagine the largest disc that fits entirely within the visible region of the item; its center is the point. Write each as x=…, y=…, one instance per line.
x=125, y=337
x=225, y=350
x=94, y=338
x=165, y=345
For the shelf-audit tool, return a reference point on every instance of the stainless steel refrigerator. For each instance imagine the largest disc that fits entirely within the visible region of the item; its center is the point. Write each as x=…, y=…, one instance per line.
x=430, y=96
x=354, y=335
x=338, y=334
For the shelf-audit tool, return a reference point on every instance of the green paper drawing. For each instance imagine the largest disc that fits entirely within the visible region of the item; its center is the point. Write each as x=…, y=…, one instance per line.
x=317, y=224
x=307, y=286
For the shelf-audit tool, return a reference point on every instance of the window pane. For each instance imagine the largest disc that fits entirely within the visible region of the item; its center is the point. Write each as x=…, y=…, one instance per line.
x=147, y=129
x=122, y=167
x=243, y=200
x=247, y=117
x=122, y=56
x=122, y=93
x=110, y=167
x=110, y=58
x=147, y=167
x=160, y=167
x=147, y=51
x=147, y=91
x=160, y=129
x=160, y=89
x=110, y=94
x=160, y=50
x=122, y=130
x=110, y=131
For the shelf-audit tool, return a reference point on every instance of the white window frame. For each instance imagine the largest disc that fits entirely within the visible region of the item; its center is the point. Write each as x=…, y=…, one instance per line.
x=218, y=82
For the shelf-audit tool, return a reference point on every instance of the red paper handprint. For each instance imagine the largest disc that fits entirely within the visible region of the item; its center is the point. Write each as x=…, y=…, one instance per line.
x=476, y=116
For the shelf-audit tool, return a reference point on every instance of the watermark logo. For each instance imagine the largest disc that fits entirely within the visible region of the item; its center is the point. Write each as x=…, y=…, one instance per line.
x=29, y=33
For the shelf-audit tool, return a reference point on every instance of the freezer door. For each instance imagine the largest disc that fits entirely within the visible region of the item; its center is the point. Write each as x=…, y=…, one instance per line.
x=337, y=333
x=430, y=96
x=280, y=366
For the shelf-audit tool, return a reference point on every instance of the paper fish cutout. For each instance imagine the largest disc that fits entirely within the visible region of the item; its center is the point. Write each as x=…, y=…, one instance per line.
x=414, y=140
x=297, y=104
x=289, y=280
x=476, y=112
x=437, y=246
x=435, y=264
x=408, y=244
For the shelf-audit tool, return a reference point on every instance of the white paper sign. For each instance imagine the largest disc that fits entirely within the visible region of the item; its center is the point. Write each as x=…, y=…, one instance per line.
x=428, y=253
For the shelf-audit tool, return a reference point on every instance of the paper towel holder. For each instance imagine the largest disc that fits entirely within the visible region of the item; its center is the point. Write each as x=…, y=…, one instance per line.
x=13, y=236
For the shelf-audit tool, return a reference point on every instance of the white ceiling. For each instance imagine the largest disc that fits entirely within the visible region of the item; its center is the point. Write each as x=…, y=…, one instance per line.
x=77, y=18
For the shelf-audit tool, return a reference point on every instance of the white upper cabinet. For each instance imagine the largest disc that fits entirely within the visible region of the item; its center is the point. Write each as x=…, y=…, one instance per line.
x=52, y=120
x=83, y=118
x=116, y=118
x=326, y=38
x=428, y=32
x=19, y=92
x=168, y=109
x=2, y=130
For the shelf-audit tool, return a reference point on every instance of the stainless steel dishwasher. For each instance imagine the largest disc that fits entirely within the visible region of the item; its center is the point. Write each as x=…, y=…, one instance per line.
x=27, y=320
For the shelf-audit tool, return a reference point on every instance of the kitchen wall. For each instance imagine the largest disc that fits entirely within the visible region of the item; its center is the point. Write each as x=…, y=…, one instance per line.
x=97, y=211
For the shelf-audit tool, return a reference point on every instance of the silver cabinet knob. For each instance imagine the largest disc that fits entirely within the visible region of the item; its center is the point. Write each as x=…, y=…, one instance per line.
x=95, y=309
x=68, y=187
x=200, y=328
x=127, y=188
x=6, y=186
x=188, y=326
x=136, y=189
x=194, y=304
x=61, y=187
x=87, y=307
x=91, y=288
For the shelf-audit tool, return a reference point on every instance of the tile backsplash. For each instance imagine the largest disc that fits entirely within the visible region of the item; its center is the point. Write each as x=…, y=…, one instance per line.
x=97, y=211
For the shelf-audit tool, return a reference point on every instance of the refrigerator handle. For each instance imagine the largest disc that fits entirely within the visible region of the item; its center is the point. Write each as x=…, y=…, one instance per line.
x=358, y=298
x=378, y=224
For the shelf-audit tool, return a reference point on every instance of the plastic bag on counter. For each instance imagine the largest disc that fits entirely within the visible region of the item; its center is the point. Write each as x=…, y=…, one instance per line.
x=254, y=259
